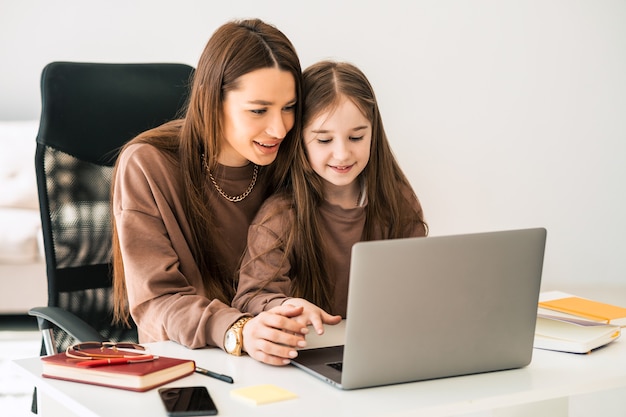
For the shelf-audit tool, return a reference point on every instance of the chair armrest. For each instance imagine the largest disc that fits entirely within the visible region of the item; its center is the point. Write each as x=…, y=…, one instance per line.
x=66, y=321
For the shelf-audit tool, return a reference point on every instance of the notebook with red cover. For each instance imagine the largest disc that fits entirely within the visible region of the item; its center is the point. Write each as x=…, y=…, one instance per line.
x=141, y=376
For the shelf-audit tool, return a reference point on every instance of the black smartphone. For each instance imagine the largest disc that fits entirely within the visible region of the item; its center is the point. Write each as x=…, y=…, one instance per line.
x=187, y=401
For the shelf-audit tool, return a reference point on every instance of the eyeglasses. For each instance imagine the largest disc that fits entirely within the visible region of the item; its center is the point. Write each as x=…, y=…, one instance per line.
x=108, y=350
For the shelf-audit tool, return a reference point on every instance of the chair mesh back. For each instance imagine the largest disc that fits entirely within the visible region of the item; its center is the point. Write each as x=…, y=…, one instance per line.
x=78, y=199
x=80, y=227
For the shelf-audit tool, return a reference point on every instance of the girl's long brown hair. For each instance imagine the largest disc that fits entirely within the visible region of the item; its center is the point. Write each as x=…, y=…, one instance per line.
x=390, y=211
x=235, y=49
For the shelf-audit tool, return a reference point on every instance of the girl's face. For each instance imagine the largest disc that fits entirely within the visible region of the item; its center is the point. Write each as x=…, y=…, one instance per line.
x=257, y=116
x=338, y=146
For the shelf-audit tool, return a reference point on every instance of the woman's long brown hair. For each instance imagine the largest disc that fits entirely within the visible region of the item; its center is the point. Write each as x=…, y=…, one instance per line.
x=235, y=49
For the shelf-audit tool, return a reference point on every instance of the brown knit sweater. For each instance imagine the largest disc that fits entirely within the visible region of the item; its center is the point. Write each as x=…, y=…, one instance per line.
x=165, y=288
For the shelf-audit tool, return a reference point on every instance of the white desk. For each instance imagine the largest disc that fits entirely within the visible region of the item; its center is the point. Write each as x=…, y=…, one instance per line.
x=544, y=388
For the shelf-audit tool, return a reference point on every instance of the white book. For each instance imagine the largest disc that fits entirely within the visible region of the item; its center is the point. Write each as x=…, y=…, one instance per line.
x=573, y=335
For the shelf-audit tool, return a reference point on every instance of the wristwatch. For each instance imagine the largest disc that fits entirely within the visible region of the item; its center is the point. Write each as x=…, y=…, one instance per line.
x=233, y=339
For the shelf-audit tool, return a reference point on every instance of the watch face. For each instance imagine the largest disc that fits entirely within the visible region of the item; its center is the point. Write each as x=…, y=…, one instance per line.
x=230, y=342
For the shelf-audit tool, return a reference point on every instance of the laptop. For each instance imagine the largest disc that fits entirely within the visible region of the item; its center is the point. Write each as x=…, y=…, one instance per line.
x=435, y=307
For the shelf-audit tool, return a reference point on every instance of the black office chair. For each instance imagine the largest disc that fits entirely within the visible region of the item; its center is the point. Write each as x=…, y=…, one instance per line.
x=89, y=110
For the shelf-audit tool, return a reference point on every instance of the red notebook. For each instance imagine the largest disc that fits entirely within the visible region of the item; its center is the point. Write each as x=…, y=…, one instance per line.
x=141, y=376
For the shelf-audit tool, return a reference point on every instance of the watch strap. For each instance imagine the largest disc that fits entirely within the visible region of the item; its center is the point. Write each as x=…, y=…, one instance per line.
x=237, y=327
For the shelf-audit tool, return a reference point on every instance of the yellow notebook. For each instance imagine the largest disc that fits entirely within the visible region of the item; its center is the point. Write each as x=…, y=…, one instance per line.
x=583, y=307
x=262, y=394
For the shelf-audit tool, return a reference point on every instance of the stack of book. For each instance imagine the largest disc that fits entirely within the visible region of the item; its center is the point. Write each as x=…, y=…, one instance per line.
x=569, y=323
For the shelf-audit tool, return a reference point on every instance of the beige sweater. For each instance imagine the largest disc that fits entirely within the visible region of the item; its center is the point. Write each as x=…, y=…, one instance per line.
x=264, y=259
x=165, y=288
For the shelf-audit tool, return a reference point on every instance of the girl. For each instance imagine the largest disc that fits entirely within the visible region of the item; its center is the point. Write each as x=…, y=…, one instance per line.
x=185, y=193
x=345, y=186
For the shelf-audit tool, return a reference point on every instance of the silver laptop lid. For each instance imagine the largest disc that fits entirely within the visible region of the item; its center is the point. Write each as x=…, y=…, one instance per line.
x=424, y=308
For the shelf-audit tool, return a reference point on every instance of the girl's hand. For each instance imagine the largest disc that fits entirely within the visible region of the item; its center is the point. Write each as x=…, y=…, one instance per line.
x=312, y=314
x=273, y=336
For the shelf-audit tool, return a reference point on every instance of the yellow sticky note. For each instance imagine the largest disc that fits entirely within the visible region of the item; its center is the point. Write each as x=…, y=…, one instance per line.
x=262, y=394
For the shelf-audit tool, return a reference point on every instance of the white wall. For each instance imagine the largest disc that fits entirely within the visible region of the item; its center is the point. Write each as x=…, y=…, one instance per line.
x=504, y=114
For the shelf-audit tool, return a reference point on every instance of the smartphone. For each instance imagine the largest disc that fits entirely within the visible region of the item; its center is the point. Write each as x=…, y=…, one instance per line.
x=187, y=401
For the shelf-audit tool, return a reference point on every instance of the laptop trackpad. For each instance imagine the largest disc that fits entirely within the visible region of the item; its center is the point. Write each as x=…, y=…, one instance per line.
x=322, y=361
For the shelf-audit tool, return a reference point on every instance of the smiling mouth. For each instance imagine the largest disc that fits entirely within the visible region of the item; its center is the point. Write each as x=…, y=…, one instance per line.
x=267, y=148
x=266, y=145
x=341, y=168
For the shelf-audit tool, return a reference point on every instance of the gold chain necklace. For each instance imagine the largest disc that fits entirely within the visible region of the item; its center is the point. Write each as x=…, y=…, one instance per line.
x=237, y=198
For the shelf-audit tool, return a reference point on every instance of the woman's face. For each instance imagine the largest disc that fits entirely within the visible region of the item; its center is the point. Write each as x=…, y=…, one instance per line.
x=257, y=116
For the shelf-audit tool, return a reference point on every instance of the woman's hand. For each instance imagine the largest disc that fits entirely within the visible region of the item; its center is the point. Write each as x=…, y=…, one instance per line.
x=312, y=314
x=273, y=336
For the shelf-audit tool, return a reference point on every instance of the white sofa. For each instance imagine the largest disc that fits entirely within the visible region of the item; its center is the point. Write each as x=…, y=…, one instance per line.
x=22, y=267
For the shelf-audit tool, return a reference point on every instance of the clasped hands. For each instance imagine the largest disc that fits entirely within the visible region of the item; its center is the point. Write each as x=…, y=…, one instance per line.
x=274, y=336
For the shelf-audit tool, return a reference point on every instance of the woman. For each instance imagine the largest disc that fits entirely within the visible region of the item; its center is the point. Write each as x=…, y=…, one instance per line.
x=346, y=186
x=185, y=192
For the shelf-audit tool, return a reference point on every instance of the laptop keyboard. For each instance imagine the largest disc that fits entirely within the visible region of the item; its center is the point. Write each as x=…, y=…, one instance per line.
x=336, y=365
